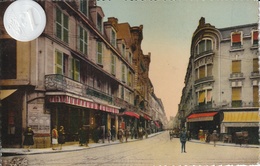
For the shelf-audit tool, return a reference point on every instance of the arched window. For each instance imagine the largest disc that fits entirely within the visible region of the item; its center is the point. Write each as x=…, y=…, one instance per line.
x=204, y=45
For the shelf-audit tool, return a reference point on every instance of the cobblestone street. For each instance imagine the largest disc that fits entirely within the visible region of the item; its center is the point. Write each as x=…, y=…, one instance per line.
x=154, y=151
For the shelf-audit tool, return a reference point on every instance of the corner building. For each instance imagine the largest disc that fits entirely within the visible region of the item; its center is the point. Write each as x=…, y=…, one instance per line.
x=221, y=82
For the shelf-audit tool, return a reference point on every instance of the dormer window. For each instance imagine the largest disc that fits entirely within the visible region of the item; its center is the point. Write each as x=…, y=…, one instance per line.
x=236, y=40
x=113, y=38
x=83, y=7
x=255, y=38
x=99, y=23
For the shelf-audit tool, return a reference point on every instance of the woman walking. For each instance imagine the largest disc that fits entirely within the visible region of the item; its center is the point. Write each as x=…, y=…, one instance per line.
x=61, y=138
x=28, y=138
x=55, y=136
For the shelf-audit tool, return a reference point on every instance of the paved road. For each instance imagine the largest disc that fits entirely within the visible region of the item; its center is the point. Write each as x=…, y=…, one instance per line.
x=156, y=151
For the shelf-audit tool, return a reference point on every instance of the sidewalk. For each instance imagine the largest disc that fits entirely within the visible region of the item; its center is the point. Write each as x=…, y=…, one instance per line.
x=65, y=148
x=225, y=144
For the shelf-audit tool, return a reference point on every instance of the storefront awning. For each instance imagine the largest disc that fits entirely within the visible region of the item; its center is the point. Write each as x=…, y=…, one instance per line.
x=146, y=117
x=240, y=117
x=157, y=124
x=130, y=113
x=82, y=102
x=207, y=116
x=6, y=93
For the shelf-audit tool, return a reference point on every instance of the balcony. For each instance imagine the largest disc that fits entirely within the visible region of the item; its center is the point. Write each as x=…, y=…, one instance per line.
x=57, y=82
x=254, y=75
x=237, y=103
x=204, y=53
x=98, y=94
x=204, y=79
x=203, y=107
x=236, y=76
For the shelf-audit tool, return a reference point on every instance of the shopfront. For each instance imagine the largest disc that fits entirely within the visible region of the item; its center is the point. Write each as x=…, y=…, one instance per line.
x=237, y=121
x=206, y=121
x=74, y=112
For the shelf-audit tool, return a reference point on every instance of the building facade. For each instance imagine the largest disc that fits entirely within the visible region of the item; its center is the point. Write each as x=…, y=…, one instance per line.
x=221, y=82
x=81, y=72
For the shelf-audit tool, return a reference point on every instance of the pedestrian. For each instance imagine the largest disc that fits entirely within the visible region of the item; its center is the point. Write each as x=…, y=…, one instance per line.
x=127, y=133
x=82, y=136
x=113, y=133
x=215, y=137
x=189, y=135
x=28, y=138
x=120, y=135
x=108, y=135
x=133, y=132
x=61, y=138
x=183, y=138
x=55, y=136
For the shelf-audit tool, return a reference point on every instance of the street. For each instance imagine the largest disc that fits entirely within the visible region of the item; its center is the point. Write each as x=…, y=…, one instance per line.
x=155, y=151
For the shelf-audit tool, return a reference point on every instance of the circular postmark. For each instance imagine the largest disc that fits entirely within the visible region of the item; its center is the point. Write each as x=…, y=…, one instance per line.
x=24, y=20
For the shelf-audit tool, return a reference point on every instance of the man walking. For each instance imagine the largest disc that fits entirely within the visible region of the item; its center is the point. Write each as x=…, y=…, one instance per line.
x=183, y=138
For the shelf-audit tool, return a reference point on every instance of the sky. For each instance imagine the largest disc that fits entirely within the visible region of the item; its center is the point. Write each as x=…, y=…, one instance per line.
x=168, y=26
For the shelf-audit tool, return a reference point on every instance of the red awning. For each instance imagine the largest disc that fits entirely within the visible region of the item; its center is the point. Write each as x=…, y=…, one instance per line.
x=146, y=117
x=207, y=116
x=157, y=124
x=130, y=113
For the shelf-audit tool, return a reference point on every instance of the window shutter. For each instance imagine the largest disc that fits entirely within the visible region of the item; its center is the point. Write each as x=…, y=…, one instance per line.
x=236, y=66
x=236, y=94
x=201, y=96
x=255, y=95
x=59, y=63
x=255, y=35
x=236, y=38
x=209, y=94
x=202, y=72
x=255, y=65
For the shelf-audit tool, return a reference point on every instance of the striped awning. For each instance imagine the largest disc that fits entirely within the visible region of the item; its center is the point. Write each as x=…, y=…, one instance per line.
x=197, y=117
x=243, y=116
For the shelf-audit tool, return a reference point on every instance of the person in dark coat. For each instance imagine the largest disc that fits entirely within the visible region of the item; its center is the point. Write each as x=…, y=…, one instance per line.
x=183, y=138
x=113, y=133
x=215, y=137
x=61, y=138
x=28, y=138
x=82, y=136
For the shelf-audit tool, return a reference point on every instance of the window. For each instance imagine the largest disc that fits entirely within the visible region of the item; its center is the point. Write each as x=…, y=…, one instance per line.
x=83, y=7
x=113, y=38
x=62, y=26
x=123, y=50
x=255, y=38
x=236, y=66
x=130, y=58
x=123, y=73
x=202, y=72
x=58, y=62
x=122, y=92
x=99, y=53
x=99, y=23
x=129, y=79
x=236, y=41
x=201, y=97
x=255, y=65
x=255, y=96
x=8, y=50
x=205, y=97
x=113, y=64
x=204, y=45
x=83, y=40
x=209, y=69
x=75, y=69
x=236, y=97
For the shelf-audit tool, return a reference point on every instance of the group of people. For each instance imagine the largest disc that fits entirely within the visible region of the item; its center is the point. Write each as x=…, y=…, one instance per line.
x=58, y=137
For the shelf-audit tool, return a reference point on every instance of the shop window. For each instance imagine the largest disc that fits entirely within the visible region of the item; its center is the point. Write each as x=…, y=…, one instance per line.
x=236, y=97
x=236, y=40
x=236, y=66
x=62, y=26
